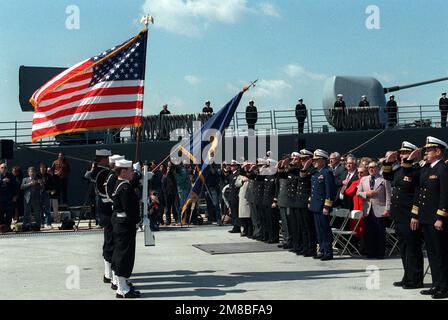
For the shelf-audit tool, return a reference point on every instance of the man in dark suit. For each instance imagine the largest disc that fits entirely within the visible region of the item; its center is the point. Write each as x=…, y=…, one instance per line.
x=251, y=115
x=301, y=115
x=404, y=182
x=8, y=190
x=443, y=107
x=391, y=110
x=430, y=212
x=323, y=191
x=31, y=187
x=339, y=173
x=350, y=177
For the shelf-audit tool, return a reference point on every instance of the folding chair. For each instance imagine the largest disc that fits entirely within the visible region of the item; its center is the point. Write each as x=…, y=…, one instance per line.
x=391, y=238
x=344, y=237
x=339, y=213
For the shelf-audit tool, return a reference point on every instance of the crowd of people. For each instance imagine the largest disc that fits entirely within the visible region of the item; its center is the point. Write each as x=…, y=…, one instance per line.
x=38, y=192
x=407, y=188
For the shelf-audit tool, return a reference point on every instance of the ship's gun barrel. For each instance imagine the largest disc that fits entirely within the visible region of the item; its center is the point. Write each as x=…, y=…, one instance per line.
x=397, y=88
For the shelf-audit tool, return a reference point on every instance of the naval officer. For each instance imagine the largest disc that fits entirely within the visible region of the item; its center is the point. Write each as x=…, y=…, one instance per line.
x=430, y=212
x=323, y=192
x=404, y=182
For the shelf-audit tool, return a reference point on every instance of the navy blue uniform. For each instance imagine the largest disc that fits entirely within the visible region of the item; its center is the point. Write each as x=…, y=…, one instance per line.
x=323, y=192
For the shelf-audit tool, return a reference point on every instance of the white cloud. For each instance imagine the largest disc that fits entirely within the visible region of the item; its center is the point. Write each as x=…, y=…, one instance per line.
x=270, y=88
x=270, y=10
x=155, y=103
x=298, y=71
x=193, y=80
x=193, y=17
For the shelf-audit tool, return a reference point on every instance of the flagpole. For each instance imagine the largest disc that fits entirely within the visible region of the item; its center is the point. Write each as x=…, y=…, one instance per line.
x=146, y=20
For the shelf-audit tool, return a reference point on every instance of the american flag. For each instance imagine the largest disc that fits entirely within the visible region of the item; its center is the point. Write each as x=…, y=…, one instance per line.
x=105, y=91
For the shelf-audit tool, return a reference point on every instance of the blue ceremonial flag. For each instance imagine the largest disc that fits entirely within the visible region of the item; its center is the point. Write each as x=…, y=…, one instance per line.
x=219, y=122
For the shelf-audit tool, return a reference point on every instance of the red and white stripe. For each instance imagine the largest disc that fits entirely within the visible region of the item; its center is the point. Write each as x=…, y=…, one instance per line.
x=67, y=104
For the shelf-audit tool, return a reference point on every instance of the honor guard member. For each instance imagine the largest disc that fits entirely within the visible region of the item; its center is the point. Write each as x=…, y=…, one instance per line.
x=305, y=217
x=404, y=183
x=364, y=102
x=340, y=103
x=251, y=115
x=430, y=213
x=126, y=215
x=270, y=214
x=97, y=176
x=443, y=107
x=281, y=201
x=108, y=184
x=301, y=115
x=323, y=191
x=391, y=110
x=207, y=108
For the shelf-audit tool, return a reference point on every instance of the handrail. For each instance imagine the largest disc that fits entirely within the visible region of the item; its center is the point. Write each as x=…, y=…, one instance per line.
x=154, y=127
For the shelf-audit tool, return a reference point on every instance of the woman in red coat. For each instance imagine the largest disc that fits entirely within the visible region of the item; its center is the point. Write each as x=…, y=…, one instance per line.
x=357, y=201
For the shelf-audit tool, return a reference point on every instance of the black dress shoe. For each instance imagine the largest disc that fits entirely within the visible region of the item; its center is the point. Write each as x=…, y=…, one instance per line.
x=410, y=286
x=326, y=258
x=130, y=295
x=319, y=256
x=234, y=231
x=106, y=280
x=115, y=287
x=281, y=246
x=440, y=294
x=398, y=284
x=309, y=254
x=287, y=246
x=429, y=292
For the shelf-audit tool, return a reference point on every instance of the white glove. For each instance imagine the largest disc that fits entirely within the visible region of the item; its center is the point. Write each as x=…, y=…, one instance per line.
x=150, y=175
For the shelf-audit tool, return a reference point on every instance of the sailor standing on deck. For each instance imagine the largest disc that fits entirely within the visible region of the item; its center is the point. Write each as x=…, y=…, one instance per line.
x=97, y=175
x=126, y=215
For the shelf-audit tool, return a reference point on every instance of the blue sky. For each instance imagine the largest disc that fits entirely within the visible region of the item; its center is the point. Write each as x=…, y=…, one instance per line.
x=208, y=49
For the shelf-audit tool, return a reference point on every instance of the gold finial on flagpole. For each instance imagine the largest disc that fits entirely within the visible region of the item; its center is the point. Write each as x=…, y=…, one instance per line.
x=146, y=20
x=252, y=84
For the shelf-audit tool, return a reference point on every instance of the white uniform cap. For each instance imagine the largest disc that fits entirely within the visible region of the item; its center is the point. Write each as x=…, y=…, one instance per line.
x=103, y=153
x=340, y=95
x=295, y=155
x=123, y=164
x=306, y=153
x=234, y=162
x=363, y=96
x=407, y=146
x=115, y=158
x=320, y=154
x=434, y=142
x=262, y=161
